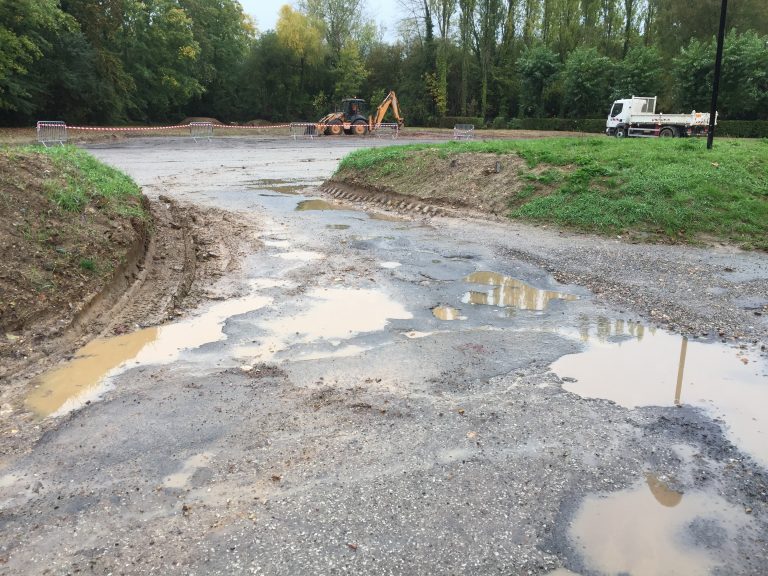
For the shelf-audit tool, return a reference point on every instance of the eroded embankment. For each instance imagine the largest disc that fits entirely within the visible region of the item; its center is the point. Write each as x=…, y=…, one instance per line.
x=656, y=191
x=86, y=255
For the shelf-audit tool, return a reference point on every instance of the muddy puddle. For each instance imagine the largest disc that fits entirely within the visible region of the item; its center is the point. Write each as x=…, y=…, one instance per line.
x=651, y=529
x=87, y=375
x=446, y=313
x=507, y=292
x=384, y=217
x=329, y=317
x=280, y=186
x=656, y=368
x=337, y=226
x=307, y=205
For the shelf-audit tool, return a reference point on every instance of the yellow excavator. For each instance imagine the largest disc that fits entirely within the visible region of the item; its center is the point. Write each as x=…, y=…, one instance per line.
x=352, y=118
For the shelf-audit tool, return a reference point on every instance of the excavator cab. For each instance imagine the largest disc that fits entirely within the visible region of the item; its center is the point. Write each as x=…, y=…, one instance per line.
x=354, y=108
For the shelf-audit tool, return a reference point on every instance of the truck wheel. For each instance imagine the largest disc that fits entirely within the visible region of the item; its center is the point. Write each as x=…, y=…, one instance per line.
x=621, y=132
x=667, y=132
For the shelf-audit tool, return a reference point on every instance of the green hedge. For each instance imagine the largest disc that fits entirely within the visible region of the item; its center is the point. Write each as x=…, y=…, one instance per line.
x=742, y=128
x=727, y=128
x=596, y=125
x=451, y=121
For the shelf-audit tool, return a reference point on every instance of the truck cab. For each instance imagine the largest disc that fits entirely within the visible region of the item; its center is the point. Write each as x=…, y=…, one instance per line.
x=621, y=113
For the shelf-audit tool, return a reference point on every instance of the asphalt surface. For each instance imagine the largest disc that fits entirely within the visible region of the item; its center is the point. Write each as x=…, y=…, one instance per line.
x=333, y=424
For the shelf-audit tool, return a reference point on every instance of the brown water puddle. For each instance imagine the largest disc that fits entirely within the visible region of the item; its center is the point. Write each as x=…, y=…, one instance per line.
x=57, y=389
x=332, y=315
x=509, y=292
x=663, y=369
x=306, y=205
x=279, y=186
x=650, y=530
x=83, y=379
x=337, y=226
x=446, y=313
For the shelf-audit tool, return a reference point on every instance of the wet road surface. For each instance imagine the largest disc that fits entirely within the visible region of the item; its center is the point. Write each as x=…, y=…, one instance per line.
x=374, y=394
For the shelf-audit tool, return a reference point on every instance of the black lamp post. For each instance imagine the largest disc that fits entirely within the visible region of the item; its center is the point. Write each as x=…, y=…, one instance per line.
x=716, y=81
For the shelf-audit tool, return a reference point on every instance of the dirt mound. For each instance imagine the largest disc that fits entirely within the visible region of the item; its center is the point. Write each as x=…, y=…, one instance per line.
x=55, y=260
x=479, y=182
x=189, y=119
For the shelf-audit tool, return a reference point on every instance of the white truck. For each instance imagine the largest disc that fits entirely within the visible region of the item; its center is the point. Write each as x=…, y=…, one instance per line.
x=637, y=116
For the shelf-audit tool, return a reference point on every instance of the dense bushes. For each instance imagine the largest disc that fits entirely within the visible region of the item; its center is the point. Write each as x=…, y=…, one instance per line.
x=742, y=128
x=451, y=121
x=596, y=125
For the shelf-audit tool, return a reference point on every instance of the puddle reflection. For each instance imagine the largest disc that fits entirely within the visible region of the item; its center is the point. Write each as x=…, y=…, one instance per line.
x=663, y=369
x=650, y=529
x=446, y=313
x=509, y=292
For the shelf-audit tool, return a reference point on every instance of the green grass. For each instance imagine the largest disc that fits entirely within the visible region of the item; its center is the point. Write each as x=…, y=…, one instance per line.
x=80, y=179
x=674, y=188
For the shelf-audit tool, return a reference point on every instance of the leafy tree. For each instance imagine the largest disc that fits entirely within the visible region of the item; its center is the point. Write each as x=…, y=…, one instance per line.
x=350, y=72
x=586, y=83
x=224, y=35
x=24, y=27
x=539, y=68
x=161, y=58
x=640, y=73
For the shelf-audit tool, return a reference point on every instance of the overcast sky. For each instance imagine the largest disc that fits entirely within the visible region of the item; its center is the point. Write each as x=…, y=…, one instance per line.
x=265, y=13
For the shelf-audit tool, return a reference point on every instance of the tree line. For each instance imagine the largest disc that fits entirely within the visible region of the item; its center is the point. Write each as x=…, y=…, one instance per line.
x=117, y=61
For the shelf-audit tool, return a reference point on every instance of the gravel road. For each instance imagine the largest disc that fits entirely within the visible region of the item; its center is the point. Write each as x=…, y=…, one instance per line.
x=318, y=416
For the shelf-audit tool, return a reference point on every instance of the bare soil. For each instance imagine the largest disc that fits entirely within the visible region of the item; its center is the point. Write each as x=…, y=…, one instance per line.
x=144, y=273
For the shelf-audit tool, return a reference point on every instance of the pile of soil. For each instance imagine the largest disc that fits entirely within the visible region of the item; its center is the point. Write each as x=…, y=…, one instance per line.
x=55, y=262
x=478, y=182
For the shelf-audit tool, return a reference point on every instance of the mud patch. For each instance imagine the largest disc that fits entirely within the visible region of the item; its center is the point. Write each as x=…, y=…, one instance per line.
x=190, y=250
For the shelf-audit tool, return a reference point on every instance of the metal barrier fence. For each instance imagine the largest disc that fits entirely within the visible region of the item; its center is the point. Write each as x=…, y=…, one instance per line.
x=49, y=132
x=201, y=130
x=303, y=130
x=464, y=132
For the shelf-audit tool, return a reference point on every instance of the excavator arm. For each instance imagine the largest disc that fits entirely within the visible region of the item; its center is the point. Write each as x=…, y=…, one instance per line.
x=375, y=120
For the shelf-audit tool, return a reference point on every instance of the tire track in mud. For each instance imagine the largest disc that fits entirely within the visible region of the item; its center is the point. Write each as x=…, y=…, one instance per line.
x=167, y=273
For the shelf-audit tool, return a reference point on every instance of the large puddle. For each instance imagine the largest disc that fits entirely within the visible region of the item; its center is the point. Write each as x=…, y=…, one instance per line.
x=331, y=316
x=656, y=368
x=85, y=377
x=507, y=292
x=651, y=529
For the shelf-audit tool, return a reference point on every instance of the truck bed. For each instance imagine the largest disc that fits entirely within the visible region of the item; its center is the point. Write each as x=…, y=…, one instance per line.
x=692, y=119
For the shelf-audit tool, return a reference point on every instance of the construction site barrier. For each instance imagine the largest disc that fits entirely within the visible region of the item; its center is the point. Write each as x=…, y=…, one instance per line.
x=49, y=132
x=464, y=132
x=201, y=130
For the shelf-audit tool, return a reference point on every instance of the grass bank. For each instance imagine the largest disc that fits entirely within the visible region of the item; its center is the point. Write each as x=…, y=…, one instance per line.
x=664, y=189
x=69, y=223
